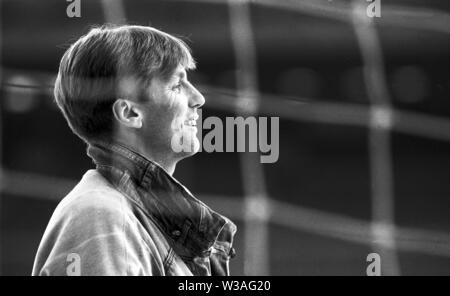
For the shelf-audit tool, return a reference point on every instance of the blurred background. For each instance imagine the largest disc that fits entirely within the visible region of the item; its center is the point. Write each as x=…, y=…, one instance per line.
x=364, y=108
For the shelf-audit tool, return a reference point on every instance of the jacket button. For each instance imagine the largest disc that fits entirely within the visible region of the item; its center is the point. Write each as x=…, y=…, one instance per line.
x=176, y=233
x=232, y=253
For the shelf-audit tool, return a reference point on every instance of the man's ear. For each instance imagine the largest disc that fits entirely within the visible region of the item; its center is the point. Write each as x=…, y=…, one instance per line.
x=127, y=113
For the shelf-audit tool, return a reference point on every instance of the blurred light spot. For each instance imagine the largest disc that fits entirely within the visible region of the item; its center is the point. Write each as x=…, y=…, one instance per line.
x=383, y=234
x=410, y=84
x=381, y=117
x=19, y=98
x=353, y=85
x=300, y=82
x=257, y=208
x=247, y=105
x=247, y=100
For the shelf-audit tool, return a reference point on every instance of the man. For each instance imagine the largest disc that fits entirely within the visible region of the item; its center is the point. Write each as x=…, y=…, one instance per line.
x=125, y=92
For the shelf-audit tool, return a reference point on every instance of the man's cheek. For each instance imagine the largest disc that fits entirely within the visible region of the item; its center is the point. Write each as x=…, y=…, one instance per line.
x=177, y=124
x=177, y=116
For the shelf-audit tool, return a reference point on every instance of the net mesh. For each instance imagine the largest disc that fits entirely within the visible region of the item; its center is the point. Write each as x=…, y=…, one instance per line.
x=379, y=117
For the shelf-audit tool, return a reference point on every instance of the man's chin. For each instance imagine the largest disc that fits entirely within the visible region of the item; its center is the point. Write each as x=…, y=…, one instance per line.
x=194, y=148
x=185, y=154
x=185, y=146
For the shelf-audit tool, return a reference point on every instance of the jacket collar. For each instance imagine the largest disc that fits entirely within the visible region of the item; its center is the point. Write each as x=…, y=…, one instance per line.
x=183, y=217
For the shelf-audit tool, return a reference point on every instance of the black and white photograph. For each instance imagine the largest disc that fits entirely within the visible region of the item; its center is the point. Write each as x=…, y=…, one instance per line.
x=243, y=138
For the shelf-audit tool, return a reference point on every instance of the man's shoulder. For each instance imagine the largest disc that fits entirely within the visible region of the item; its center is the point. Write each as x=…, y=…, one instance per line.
x=95, y=221
x=91, y=198
x=92, y=190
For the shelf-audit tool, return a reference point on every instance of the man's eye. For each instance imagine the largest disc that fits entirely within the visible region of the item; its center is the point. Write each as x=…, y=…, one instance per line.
x=177, y=88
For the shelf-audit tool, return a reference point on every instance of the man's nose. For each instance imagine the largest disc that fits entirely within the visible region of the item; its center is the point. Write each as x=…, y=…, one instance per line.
x=196, y=99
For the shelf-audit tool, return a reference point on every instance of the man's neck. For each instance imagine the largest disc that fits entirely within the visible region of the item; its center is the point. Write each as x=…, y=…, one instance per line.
x=168, y=166
x=160, y=158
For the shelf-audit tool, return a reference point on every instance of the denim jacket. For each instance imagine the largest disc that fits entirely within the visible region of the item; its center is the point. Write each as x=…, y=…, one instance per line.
x=130, y=217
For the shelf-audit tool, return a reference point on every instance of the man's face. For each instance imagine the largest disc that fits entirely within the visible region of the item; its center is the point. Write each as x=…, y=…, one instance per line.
x=170, y=115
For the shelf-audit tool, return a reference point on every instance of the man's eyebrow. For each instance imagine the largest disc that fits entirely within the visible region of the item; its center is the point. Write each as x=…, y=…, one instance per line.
x=180, y=74
x=177, y=75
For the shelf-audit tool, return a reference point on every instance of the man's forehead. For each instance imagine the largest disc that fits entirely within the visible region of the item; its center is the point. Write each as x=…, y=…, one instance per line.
x=180, y=72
